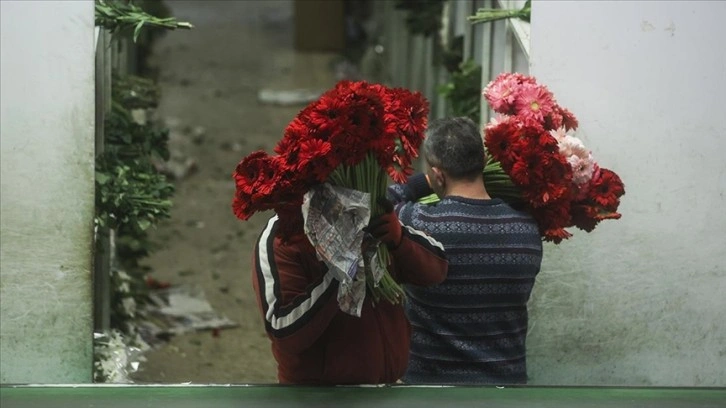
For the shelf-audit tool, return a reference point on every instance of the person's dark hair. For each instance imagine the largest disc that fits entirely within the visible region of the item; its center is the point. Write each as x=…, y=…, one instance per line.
x=455, y=146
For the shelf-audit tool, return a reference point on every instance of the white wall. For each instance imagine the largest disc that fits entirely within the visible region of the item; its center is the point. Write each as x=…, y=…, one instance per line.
x=47, y=191
x=640, y=301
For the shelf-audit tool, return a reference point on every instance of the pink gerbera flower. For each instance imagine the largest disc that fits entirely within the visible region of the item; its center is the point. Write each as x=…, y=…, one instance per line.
x=533, y=101
x=501, y=93
x=577, y=155
x=521, y=78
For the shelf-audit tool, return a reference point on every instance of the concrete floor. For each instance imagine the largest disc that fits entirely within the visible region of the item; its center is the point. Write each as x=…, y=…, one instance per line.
x=210, y=77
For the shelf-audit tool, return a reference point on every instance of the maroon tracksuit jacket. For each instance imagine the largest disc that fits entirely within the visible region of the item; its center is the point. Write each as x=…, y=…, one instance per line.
x=312, y=340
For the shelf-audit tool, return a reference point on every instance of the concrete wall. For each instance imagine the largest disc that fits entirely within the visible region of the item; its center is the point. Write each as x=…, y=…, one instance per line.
x=47, y=191
x=640, y=301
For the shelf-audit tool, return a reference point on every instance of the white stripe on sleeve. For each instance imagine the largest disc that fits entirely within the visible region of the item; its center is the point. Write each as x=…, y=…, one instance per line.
x=266, y=260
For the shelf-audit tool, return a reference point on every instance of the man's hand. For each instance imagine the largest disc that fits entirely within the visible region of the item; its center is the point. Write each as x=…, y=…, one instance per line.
x=386, y=226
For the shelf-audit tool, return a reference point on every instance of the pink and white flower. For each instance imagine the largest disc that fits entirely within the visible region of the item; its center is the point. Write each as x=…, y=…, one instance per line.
x=577, y=155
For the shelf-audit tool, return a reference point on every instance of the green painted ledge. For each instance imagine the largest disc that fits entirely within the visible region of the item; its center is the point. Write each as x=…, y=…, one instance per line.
x=183, y=396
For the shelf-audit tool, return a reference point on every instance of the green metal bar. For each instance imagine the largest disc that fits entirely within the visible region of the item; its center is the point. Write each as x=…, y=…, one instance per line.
x=353, y=397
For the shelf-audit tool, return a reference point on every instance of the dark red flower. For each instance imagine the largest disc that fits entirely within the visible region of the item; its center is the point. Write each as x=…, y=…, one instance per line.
x=542, y=177
x=295, y=133
x=362, y=122
x=384, y=148
x=568, y=119
x=553, y=121
x=499, y=140
x=411, y=114
x=256, y=178
x=605, y=189
x=312, y=150
x=248, y=171
x=404, y=123
x=317, y=160
x=267, y=177
x=532, y=136
x=584, y=216
x=556, y=235
x=241, y=206
x=343, y=127
x=329, y=117
x=552, y=219
x=399, y=168
x=534, y=164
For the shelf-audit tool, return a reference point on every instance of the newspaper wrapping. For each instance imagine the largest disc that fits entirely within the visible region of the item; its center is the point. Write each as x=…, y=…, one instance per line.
x=334, y=221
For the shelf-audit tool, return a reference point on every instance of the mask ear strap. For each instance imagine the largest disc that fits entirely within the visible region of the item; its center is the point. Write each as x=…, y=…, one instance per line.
x=439, y=177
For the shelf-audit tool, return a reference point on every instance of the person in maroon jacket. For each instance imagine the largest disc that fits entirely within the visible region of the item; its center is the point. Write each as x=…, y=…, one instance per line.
x=313, y=341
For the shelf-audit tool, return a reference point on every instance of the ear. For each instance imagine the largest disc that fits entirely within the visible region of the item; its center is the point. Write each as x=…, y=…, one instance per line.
x=439, y=177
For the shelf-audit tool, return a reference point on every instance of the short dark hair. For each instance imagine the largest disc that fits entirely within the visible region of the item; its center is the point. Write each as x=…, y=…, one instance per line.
x=455, y=146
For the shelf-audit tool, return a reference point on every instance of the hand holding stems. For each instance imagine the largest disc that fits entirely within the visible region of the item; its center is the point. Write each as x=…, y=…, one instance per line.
x=386, y=227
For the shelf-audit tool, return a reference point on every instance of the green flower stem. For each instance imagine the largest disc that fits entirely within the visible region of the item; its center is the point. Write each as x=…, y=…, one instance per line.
x=369, y=178
x=497, y=182
x=484, y=15
x=116, y=16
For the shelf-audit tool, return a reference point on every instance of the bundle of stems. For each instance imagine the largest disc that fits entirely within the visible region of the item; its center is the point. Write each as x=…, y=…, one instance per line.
x=497, y=183
x=130, y=195
x=486, y=15
x=117, y=15
x=368, y=177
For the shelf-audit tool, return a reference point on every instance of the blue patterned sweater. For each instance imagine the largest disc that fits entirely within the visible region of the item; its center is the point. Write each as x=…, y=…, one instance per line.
x=472, y=328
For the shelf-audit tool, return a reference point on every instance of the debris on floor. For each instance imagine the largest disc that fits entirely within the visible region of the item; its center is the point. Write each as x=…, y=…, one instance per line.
x=288, y=97
x=199, y=134
x=116, y=357
x=177, y=168
x=177, y=310
x=234, y=147
x=181, y=165
x=345, y=69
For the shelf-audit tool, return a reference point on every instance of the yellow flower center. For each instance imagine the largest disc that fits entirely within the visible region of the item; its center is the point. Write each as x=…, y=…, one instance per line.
x=534, y=106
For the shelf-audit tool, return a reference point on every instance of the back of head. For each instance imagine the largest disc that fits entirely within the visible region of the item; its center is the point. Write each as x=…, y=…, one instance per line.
x=455, y=146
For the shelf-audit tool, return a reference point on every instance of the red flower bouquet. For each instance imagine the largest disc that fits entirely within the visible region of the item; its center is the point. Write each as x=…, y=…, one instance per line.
x=356, y=135
x=557, y=177
x=533, y=161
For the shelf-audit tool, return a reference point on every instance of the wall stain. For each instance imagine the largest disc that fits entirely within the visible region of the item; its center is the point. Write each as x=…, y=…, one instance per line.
x=671, y=28
x=646, y=26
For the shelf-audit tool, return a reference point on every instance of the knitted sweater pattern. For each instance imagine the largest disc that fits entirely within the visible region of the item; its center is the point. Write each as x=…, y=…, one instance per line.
x=472, y=328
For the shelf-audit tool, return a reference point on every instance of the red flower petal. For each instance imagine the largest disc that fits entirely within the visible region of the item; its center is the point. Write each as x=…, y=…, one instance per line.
x=605, y=189
x=343, y=127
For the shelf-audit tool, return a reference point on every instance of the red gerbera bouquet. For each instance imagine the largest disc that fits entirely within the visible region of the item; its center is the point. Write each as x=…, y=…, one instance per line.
x=355, y=136
x=533, y=158
x=533, y=162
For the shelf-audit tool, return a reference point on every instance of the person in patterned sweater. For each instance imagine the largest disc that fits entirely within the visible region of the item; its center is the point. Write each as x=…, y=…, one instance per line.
x=471, y=328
